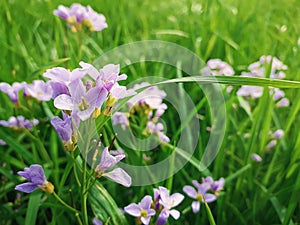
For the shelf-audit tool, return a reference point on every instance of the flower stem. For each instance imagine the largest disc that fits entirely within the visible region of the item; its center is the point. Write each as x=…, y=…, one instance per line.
x=64, y=203
x=84, y=194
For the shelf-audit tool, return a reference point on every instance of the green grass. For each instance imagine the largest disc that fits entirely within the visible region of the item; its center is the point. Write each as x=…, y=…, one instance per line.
x=238, y=32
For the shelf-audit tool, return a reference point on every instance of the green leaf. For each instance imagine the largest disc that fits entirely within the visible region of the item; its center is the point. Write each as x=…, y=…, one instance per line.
x=33, y=208
x=104, y=205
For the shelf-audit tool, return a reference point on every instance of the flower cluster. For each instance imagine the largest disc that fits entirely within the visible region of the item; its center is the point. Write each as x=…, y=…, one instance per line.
x=146, y=108
x=207, y=191
x=19, y=123
x=35, y=174
x=108, y=161
x=217, y=67
x=258, y=69
x=78, y=16
x=163, y=204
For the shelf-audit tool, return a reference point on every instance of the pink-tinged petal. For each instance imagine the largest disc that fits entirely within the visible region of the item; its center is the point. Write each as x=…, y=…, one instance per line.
x=195, y=206
x=120, y=176
x=85, y=114
x=37, y=175
x=58, y=74
x=64, y=102
x=176, y=198
x=96, y=96
x=26, y=187
x=107, y=160
x=146, y=202
x=110, y=71
x=133, y=209
x=209, y=197
x=91, y=70
x=164, y=194
x=77, y=89
x=190, y=191
x=145, y=220
x=175, y=214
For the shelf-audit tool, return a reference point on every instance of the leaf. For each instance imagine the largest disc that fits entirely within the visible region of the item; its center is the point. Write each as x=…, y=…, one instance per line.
x=33, y=208
x=104, y=205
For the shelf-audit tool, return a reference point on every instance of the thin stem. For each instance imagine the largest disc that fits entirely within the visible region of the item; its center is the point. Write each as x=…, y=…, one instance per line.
x=84, y=193
x=64, y=203
x=75, y=169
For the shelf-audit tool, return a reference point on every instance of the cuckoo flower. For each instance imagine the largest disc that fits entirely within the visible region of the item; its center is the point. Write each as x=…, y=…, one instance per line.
x=217, y=67
x=168, y=202
x=215, y=186
x=66, y=129
x=108, y=76
x=141, y=210
x=120, y=118
x=12, y=90
x=97, y=222
x=200, y=195
x=35, y=174
x=39, y=90
x=108, y=161
x=81, y=101
x=19, y=123
x=78, y=15
x=2, y=143
x=256, y=157
x=158, y=130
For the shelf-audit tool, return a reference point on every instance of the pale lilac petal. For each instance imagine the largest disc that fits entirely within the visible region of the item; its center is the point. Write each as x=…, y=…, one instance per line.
x=163, y=217
x=37, y=175
x=120, y=176
x=26, y=187
x=256, y=157
x=195, y=206
x=91, y=70
x=64, y=102
x=145, y=220
x=97, y=222
x=190, y=191
x=85, y=114
x=146, y=202
x=77, y=89
x=133, y=209
x=107, y=160
x=176, y=198
x=209, y=197
x=175, y=214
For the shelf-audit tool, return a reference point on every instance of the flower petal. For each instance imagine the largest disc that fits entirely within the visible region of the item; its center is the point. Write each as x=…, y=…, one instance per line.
x=209, y=197
x=26, y=187
x=64, y=102
x=176, y=198
x=120, y=176
x=146, y=202
x=195, y=206
x=190, y=191
x=175, y=214
x=133, y=209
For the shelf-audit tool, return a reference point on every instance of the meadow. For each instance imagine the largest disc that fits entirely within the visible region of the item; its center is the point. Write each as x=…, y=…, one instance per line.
x=252, y=171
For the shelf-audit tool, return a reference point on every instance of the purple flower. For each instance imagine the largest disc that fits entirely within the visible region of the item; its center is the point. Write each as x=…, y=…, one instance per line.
x=141, y=210
x=250, y=91
x=19, y=122
x=199, y=195
x=64, y=76
x=168, y=202
x=96, y=221
x=66, y=129
x=12, y=90
x=217, y=67
x=157, y=129
x=2, y=143
x=271, y=144
x=108, y=161
x=81, y=101
x=256, y=157
x=215, y=186
x=120, y=118
x=39, y=90
x=278, y=134
x=284, y=102
x=78, y=15
x=35, y=174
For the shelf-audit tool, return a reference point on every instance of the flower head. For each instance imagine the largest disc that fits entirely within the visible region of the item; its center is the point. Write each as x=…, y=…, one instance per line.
x=96, y=221
x=2, y=143
x=168, y=202
x=78, y=16
x=39, y=90
x=19, y=123
x=217, y=67
x=141, y=210
x=35, y=174
x=256, y=157
x=108, y=161
x=200, y=194
x=12, y=90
